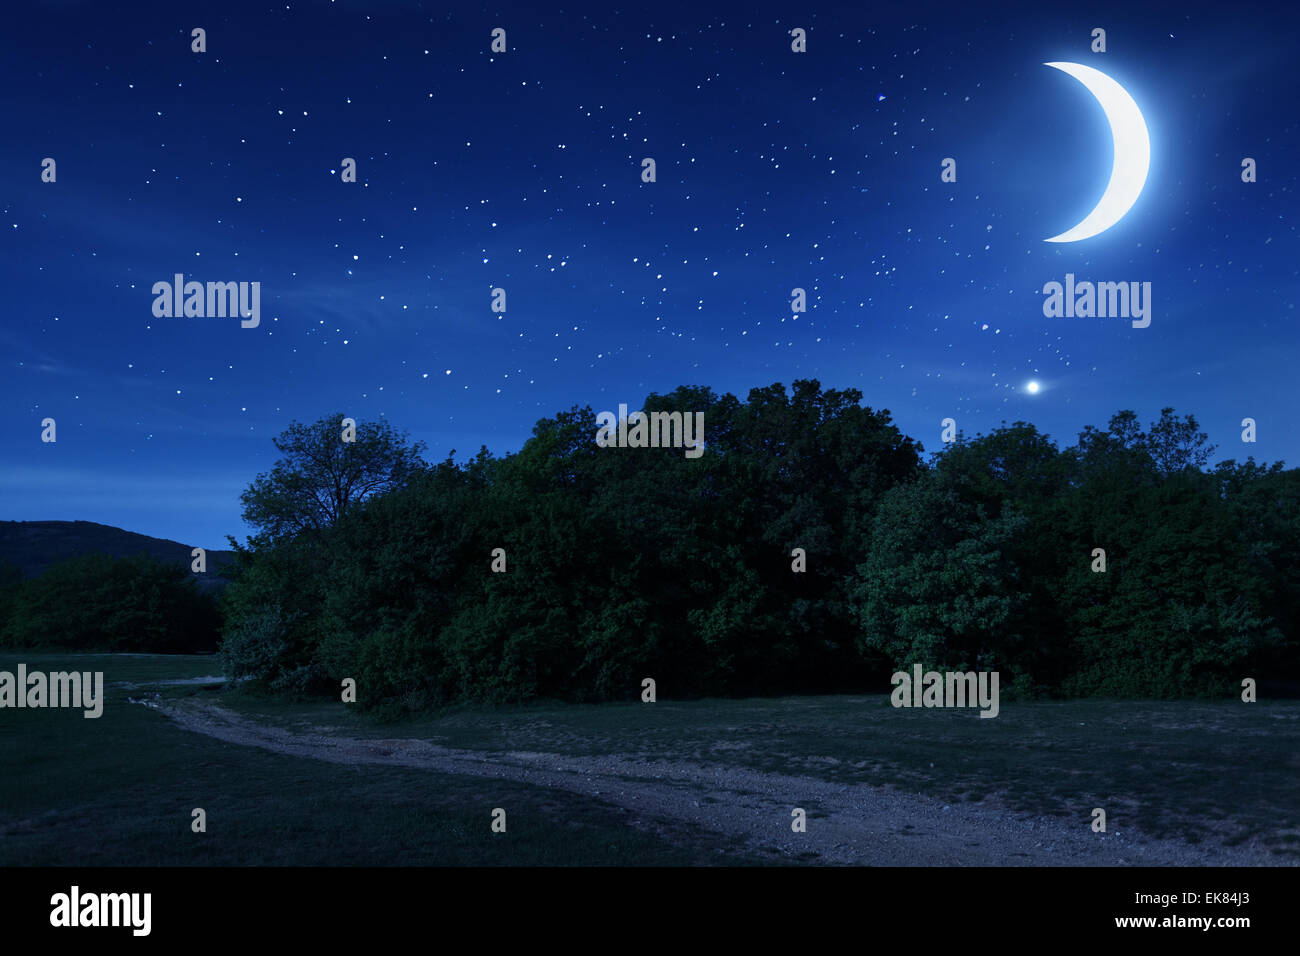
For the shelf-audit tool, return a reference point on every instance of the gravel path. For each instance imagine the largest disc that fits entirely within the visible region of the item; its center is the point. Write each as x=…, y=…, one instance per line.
x=178, y=682
x=848, y=824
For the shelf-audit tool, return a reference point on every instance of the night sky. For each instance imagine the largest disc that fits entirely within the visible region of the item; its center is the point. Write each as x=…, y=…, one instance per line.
x=522, y=170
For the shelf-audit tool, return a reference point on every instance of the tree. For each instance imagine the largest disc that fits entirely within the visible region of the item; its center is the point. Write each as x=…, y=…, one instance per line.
x=94, y=602
x=321, y=477
x=937, y=587
x=1181, y=610
x=1177, y=444
x=11, y=584
x=1171, y=446
x=624, y=564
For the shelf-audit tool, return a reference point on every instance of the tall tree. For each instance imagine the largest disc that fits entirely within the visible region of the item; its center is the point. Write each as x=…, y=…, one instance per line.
x=322, y=476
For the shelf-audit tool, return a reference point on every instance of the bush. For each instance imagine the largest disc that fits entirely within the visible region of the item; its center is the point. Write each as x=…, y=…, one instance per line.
x=255, y=647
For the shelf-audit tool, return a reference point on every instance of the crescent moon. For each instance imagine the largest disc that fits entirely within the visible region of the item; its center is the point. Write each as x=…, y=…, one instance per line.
x=1132, y=152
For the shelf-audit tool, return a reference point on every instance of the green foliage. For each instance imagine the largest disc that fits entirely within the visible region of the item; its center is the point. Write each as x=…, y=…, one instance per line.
x=271, y=610
x=255, y=646
x=938, y=587
x=624, y=564
x=98, y=603
x=321, y=476
x=1179, y=611
x=11, y=582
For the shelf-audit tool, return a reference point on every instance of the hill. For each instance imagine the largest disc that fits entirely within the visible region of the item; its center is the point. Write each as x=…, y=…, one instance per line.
x=35, y=545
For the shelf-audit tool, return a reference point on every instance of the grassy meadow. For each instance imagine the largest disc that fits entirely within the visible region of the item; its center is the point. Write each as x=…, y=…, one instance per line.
x=119, y=790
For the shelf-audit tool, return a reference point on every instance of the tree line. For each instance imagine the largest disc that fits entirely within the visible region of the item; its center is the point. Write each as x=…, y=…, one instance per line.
x=620, y=564
x=94, y=602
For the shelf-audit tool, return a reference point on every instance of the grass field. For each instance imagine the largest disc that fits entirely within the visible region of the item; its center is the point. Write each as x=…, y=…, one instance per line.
x=1189, y=770
x=119, y=668
x=122, y=787
x=119, y=790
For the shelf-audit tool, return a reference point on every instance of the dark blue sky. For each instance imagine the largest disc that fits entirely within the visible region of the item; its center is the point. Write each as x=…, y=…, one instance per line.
x=522, y=170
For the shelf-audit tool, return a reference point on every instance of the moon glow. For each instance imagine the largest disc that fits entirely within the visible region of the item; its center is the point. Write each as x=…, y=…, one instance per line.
x=1132, y=152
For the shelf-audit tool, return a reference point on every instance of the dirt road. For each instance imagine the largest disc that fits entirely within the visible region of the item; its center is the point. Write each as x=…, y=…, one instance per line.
x=847, y=824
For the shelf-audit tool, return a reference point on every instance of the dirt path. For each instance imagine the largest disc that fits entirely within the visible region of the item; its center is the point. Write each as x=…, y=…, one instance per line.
x=847, y=824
